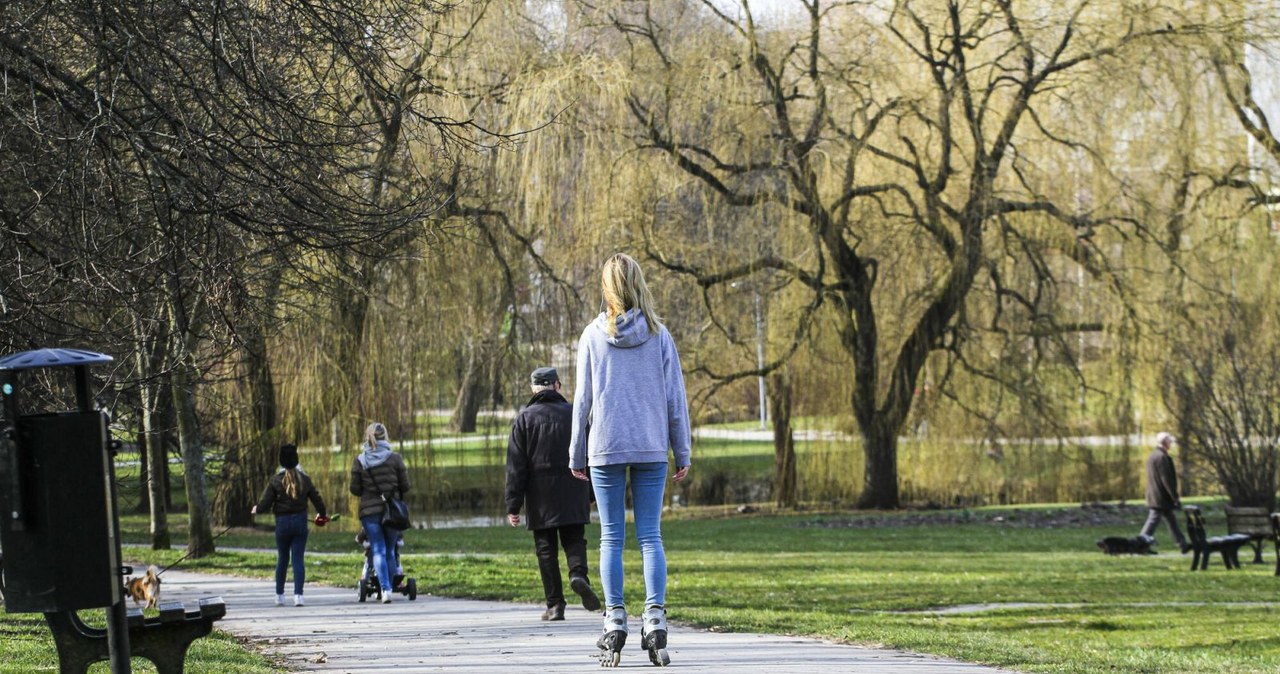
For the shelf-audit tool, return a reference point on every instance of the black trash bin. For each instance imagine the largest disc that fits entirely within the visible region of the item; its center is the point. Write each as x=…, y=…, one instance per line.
x=57, y=551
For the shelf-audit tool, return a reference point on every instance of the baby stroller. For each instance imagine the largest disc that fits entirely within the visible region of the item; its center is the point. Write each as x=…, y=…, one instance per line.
x=369, y=585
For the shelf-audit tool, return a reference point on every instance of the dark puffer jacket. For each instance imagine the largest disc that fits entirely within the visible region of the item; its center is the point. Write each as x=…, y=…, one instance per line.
x=390, y=477
x=538, y=466
x=278, y=500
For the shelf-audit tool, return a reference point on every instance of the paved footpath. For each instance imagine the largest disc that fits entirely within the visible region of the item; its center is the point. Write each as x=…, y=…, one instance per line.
x=335, y=633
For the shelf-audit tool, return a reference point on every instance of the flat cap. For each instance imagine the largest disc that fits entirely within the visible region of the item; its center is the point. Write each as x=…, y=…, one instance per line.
x=544, y=376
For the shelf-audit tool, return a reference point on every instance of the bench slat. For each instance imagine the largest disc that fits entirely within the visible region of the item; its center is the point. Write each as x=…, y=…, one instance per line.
x=171, y=612
x=1250, y=520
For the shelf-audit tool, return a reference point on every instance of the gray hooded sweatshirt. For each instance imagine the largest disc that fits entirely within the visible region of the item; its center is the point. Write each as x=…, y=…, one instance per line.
x=629, y=402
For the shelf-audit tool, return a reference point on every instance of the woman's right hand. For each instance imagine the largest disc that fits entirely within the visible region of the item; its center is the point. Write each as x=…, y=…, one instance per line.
x=580, y=474
x=680, y=473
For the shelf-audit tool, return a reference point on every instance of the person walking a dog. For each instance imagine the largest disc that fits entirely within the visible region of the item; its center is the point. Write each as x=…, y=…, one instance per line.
x=1162, y=491
x=557, y=506
x=376, y=471
x=286, y=497
x=629, y=414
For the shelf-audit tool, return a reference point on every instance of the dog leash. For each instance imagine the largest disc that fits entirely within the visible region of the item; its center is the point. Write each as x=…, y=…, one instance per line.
x=211, y=540
x=198, y=549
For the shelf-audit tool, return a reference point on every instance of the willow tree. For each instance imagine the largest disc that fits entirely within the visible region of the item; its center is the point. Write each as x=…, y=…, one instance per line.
x=901, y=140
x=1219, y=383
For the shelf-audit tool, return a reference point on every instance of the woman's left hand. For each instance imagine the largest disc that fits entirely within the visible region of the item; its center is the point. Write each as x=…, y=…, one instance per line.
x=580, y=474
x=253, y=510
x=680, y=473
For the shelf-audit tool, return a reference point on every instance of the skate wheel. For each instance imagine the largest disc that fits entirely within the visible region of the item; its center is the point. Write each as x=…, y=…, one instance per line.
x=411, y=588
x=659, y=657
x=610, y=658
x=361, y=594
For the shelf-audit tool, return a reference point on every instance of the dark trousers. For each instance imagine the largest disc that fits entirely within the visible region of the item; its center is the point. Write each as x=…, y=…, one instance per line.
x=1167, y=514
x=573, y=538
x=291, y=542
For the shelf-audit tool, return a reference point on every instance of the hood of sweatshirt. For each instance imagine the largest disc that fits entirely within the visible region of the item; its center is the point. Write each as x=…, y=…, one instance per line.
x=375, y=455
x=633, y=329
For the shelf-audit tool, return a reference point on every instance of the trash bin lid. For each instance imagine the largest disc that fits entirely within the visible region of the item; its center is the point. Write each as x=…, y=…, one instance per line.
x=28, y=360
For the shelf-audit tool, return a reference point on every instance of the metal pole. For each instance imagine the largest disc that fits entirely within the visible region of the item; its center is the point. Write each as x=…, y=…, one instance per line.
x=117, y=615
x=764, y=407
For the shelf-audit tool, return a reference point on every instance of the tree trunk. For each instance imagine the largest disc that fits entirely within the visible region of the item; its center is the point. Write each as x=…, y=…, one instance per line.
x=344, y=401
x=252, y=459
x=784, y=445
x=880, y=480
x=470, y=393
x=144, y=493
x=151, y=442
x=200, y=534
x=157, y=476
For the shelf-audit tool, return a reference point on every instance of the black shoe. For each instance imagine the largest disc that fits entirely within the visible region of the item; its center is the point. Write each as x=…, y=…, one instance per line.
x=583, y=587
x=554, y=612
x=1185, y=547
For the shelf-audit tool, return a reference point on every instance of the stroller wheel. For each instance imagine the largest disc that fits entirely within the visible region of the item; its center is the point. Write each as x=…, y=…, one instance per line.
x=362, y=593
x=411, y=588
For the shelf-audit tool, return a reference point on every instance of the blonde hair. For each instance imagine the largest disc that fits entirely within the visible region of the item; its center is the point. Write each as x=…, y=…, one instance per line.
x=624, y=289
x=375, y=432
x=290, y=482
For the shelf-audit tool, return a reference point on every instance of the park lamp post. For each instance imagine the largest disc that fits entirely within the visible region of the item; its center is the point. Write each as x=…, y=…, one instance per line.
x=759, y=318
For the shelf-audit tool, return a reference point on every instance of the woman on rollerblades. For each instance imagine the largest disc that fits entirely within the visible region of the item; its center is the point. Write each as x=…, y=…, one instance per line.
x=630, y=396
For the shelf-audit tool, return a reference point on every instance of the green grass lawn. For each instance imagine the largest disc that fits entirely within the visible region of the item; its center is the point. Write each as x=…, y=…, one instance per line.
x=897, y=584
x=27, y=648
x=831, y=575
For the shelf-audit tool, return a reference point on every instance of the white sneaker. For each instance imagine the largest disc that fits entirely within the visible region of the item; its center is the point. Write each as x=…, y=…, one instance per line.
x=297, y=600
x=386, y=597
x=279, y=600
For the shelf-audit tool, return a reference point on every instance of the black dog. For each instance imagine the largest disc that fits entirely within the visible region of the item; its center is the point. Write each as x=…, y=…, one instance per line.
x=1118, y=545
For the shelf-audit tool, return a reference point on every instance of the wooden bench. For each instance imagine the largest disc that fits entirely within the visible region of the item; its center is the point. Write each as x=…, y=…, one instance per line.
x=1254, y=523
x=1203, y=546
x=163, y=640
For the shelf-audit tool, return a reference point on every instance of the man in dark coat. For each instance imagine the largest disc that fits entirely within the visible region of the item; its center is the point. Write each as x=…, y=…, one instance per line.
x=1162, y=491
x=557, y=505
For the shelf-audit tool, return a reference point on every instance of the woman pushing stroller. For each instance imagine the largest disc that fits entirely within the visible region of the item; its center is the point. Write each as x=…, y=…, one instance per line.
x=376, y=471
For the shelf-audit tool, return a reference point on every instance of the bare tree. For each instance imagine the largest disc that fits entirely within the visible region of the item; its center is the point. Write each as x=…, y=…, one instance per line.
x=1221, y=387
x=1219, y=381
x=174, y=146
x=903, y=136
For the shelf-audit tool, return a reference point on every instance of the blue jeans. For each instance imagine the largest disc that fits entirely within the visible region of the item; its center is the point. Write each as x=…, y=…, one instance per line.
x=291, y=541
x=648, y=481
x=382, y=543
